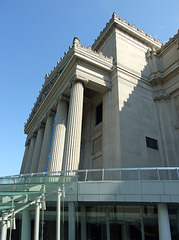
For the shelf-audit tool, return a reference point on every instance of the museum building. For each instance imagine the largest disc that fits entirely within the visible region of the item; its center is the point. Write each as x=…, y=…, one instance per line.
x=101, y=154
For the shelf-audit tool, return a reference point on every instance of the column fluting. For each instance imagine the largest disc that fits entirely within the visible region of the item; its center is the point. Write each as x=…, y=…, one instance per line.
x=30, y=153
x=58, y=140
x=74, y=125
x=46, y=142
x=27, y=145
x=37, y=149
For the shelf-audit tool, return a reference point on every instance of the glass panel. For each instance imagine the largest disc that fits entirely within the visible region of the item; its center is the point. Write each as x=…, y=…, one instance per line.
x=106, y=221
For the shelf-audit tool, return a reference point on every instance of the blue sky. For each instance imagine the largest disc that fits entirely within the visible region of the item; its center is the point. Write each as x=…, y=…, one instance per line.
x=34, y=34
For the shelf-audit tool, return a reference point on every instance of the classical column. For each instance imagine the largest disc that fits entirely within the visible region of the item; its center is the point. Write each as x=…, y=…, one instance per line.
x=74, y=125
x=56, y=152
x=27, y=145
x=163, y=222
x=37, y=149
x=26, y=225
x=30, y=154
x=46, y=142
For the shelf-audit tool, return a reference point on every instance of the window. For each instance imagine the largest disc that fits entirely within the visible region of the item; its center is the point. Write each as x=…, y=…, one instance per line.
x=151, y=143
x=99, y=113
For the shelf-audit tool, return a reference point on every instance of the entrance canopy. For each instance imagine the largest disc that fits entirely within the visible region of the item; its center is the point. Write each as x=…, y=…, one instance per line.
x=18, y=193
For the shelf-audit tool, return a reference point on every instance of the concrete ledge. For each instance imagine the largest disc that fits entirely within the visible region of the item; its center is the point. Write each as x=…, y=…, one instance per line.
x=129, y=191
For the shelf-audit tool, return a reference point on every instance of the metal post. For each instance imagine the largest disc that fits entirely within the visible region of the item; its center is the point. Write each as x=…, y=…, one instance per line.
x=86, y=173
x=58, y=213
x=37, y=219
x=4, y=226
x=107, y=224
x=103, y=175
x=158, y=175
x=163, y=222
x=138, y=174
x=26, y=225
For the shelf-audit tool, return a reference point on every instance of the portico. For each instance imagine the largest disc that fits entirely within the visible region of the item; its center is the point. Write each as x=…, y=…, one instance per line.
x=69, y=90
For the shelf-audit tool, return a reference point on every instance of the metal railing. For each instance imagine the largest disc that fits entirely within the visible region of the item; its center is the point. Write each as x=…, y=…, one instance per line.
x=112, y=174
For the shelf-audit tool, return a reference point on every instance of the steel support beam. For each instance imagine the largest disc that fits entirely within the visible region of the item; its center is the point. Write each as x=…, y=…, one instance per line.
x=37, y=219
x=59, y=194
x=4, y=226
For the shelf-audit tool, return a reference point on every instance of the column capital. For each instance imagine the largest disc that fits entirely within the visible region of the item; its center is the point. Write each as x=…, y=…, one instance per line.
x=78, y=78
x=27, y=142
x=50, y=113
x=33, y=135
x=62, y=98
x=40, y=125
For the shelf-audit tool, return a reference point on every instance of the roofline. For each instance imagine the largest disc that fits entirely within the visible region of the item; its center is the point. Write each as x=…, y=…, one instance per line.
x=122, y=24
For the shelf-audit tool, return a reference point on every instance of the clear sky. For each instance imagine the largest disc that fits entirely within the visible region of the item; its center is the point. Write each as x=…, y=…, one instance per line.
x=34, y=34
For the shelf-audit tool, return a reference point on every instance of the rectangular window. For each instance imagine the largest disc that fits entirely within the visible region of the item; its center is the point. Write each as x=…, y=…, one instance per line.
x=99, y=113
x=151, y=143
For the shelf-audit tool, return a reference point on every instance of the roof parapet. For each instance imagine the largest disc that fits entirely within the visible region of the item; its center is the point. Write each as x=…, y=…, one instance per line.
x=170, y=41
x=130, y=28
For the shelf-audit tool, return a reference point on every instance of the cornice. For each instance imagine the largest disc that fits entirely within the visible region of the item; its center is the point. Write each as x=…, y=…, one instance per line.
x=161, y=94
x=131, y=29
x=90, y=53
x=162, y=77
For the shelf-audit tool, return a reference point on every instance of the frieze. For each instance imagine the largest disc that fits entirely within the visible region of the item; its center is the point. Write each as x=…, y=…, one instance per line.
x=42, y=95
x=94, y=68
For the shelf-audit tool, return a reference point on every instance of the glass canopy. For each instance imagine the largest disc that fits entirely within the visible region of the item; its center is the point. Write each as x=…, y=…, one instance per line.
x=18, y=193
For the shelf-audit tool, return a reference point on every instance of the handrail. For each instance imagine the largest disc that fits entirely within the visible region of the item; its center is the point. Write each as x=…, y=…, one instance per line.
x=149, y=173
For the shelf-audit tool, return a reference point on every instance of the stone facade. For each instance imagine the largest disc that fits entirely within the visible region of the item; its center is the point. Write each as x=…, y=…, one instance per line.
x=120, y=105
x=111, y=109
